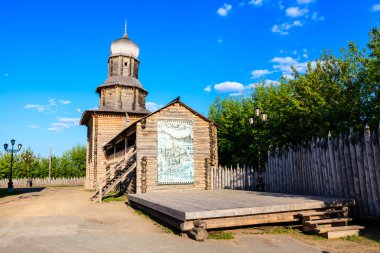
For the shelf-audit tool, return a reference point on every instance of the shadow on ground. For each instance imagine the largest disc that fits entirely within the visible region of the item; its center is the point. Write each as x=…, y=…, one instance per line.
x=18, y=191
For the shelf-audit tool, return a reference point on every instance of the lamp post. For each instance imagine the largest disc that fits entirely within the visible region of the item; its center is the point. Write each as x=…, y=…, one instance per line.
x=12, y=150
x=28, y=158
x=256, y=120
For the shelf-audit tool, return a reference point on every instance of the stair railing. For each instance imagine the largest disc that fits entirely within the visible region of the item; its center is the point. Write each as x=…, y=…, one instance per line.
x=99, y=184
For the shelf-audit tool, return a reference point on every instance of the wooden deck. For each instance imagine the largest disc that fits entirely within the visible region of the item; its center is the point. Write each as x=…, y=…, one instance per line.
x=229, y=208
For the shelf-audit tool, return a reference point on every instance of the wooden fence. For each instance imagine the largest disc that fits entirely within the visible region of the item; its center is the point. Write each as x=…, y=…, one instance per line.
x=42, y=182
x=237, y=178
x=345, y=167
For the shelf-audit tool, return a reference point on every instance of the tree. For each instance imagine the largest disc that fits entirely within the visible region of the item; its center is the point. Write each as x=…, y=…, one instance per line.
x=333, y=94
x=71, y=164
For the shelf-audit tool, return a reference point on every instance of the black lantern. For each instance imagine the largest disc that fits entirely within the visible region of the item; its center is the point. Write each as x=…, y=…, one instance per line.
x=12, y=150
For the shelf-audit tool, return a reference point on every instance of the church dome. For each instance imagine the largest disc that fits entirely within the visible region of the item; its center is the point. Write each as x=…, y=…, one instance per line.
x=125, y=46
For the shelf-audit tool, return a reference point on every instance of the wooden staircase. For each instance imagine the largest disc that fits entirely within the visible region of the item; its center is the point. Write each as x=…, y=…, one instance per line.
x=117, y=172
x=329, y=223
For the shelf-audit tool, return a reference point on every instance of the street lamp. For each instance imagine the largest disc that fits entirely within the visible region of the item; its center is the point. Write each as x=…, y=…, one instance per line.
x=256, y=120
x=28, y=158
x=12, y=150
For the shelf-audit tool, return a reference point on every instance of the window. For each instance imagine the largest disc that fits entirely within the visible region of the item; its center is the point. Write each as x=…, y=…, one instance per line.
x=126, y=64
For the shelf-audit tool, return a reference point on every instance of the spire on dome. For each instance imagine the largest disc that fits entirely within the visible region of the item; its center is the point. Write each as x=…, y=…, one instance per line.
x=125, y=29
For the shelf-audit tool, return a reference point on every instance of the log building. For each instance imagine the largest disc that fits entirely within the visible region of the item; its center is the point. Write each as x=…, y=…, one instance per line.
x=141, y=151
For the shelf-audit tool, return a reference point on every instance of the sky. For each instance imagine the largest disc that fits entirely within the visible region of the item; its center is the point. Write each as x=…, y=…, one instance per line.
x=53, y=54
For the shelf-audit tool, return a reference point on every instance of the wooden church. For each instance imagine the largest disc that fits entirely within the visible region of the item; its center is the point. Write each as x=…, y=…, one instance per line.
x=141, y=151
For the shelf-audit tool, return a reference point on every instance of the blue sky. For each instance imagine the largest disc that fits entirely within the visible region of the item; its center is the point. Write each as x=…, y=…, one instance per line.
x=53, y=54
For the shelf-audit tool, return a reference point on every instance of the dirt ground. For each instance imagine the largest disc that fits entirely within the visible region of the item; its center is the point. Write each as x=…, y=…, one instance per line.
x=65, y=220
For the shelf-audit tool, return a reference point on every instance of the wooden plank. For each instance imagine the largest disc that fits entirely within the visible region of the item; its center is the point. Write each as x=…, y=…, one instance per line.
x=362, y=177
x=343, y=168
x=344, y=228
x=365, y=168
x=348, y=168
x=371, y=172
x=360, y=207
x=338, y=169
x=327, y=221
x=250, y=220
x=376, y=157
x=319, y=213
x=161, y=216
x=339, y=234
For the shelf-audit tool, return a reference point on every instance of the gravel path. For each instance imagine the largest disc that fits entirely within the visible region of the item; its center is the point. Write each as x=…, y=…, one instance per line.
x=65, y=220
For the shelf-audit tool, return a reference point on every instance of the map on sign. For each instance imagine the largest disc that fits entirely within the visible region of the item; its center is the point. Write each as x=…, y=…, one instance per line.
x=175, y=152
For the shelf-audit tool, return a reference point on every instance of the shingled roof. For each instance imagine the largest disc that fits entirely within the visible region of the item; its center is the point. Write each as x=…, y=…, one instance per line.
x=86, y=114
x=122, y=81
x=177, y=100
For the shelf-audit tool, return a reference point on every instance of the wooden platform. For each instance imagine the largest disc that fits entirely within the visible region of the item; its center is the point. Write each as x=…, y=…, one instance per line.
x=228, y=208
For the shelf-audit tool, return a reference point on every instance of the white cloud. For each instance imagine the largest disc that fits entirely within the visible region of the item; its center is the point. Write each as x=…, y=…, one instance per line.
x=269, y=82
x=33, y=126
x=281, y=5
x=288, y=76
x=304, y=1
x=315, y=16
x=284, y=64
x=63, y=123
x=65, y=102
x=235, y=94
x=39, y=108
x=285, y=27
x=376, y=7
x=223, y=11
x=256, y=2
x=295, y=12
x=52, y=102
x=151, y=106
x=231, y=87
x=207, y=88
x=72, y=121
x=259, y=73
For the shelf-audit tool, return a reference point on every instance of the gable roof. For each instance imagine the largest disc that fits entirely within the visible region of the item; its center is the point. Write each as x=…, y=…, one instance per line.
x=104, y=109
x=176, y=100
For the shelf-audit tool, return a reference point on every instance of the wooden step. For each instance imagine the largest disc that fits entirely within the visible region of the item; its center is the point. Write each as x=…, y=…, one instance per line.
x=333, y=229
x=327, y=221
x=339, y=234
x=319, y=213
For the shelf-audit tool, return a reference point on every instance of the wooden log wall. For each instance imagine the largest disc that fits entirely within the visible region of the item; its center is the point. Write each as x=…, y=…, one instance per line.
x=344, y=167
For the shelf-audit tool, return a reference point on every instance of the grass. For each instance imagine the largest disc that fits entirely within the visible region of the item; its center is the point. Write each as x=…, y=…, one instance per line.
x=115, y=196
x=353, y=238
x=281, y=230
x=220, y=235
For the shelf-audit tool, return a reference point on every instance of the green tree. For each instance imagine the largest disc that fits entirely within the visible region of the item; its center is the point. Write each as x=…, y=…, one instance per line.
x=333, y=94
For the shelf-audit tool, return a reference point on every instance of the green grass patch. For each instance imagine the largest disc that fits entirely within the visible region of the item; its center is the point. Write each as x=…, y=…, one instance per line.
x=220, y=235
x=115, y=197
x=280, y=230
x=352, y=238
